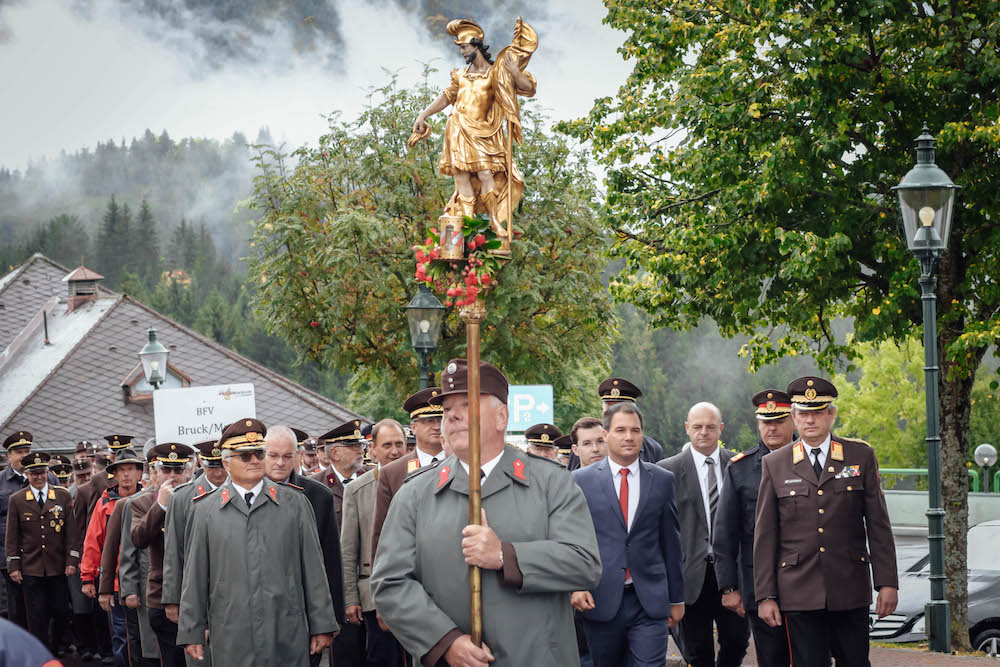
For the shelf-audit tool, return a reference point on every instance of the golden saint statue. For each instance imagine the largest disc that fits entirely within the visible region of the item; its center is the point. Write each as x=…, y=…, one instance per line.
x=477, y=153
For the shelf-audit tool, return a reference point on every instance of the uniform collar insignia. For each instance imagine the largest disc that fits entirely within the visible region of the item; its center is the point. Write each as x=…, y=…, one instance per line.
x=52, y=494
x=225, y=496
x=201, y=489
x=412, y=465
x=519, y=470
x=836, y=451
x=273, y=492
x=798, y=452
x=443, y=475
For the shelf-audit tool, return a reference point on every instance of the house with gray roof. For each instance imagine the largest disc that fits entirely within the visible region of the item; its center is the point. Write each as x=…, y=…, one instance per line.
x=69, y=367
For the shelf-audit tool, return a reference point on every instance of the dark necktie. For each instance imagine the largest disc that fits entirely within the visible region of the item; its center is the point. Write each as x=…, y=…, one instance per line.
x=41, y=499
x=713, y=495
x=817, y=468
x=248, y=496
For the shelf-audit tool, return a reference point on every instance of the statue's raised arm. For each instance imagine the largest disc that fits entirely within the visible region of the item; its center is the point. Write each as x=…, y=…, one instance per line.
x=477, y=153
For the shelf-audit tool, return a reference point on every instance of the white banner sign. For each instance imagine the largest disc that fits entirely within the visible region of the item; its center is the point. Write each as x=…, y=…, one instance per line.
x=195, y=414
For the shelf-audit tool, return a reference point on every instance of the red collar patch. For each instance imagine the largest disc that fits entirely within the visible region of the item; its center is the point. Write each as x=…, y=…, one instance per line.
x=443, y=476
x=225, y=496
x=201, y=489
x=273, y=493
x=519, y=469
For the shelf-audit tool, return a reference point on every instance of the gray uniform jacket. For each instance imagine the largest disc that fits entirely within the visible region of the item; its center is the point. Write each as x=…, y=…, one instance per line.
x=421, y=581
x=356, y=539
x=133, y=569
x=255, y=578
x=174, y=539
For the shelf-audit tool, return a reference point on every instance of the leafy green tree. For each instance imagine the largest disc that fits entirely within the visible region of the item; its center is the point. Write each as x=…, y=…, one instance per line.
x=145, y=251
x=749, y=158
x=334, y=267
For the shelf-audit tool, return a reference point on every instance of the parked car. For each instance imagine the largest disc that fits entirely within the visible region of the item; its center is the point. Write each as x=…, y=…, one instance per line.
x=907, y=623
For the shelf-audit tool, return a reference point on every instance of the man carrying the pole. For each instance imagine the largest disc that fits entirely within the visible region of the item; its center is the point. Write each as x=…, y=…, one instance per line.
x=536, y=545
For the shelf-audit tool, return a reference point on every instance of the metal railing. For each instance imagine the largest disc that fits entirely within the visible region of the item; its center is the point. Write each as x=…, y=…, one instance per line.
x=973, y=475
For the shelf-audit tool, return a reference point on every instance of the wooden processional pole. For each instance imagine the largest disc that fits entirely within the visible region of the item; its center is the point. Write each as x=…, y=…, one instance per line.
x=473, y=315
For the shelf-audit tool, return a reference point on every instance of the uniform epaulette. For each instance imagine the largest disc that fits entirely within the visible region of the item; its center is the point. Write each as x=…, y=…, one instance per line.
x=294, y=486
x=59, y=486
x=207, y=493
x=543, y=458
x=737, y=457
x=857, y=441
x=181, y=486
x=422, y=470
x=744, y=454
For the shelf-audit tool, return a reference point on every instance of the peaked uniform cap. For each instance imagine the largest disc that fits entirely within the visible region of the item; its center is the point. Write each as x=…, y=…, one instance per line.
x=243, y=435
x=455, y=380
x=85, y=446
x=565, y=444
x=83, y=466
x=62, y=471
x=618, y=389
x=126, y=455
x=309, y=445
x=117, y=442
x=300, y=436
x=18, y=439
x=543, y=434
x=464, y=31
x=811, y=393
x=58, y=460
x=348, y=433
x=772, y=404
x=36, y=460
x=210, y=452
x=171, y=454
x=419, y=406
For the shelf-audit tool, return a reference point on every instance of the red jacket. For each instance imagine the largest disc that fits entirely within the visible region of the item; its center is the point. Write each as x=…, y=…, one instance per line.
x=97, y=530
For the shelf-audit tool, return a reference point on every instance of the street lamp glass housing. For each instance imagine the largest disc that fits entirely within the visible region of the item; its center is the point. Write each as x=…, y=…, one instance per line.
x=985, y=455
x=154, y=360
x=926, y=200
x=424, y=314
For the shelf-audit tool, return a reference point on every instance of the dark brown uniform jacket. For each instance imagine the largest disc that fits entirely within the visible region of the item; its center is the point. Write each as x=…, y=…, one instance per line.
x=42, y=542
x=109, y=552
x=329, y=477
x=390, y=478
x=810, y=551
x=147, y=533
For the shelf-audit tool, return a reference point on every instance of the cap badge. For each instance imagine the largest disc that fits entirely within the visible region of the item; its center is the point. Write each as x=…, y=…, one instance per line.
x=770, y=395
x=173, y=456
x=443, y=476
x=249, y=423
x=357, y=423
x=216, y=451
x=809, y=383
x=545, y=437
x=519, y=469
x=434, y=393
x=357, y=433
x=771, y=405
x=810, y=394
x=616, y=391
x=252, y=436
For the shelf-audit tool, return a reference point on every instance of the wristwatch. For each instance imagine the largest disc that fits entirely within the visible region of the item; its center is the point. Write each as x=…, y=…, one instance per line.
x=727, y=591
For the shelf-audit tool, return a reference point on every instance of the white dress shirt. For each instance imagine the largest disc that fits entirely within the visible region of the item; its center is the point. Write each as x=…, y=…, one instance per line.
x=702, y=468
x=487, y=467
x=824, y=451
x=43, y=493
x=633, y=486
x=426, y=459
x=255, y=490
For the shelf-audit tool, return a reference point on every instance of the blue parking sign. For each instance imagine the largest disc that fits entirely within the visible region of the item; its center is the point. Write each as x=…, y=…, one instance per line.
x=529, y=404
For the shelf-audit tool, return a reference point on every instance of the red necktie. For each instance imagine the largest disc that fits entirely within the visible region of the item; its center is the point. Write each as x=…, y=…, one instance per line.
x=623, y=501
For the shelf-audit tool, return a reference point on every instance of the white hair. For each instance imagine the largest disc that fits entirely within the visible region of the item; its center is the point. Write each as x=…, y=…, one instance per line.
x=227, y=454
x=280, y=431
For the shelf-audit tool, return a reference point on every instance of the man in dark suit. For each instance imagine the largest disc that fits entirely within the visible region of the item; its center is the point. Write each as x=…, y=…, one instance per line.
x=345, y=446
x=632, y=506
x=281, y=465
x=699, y=471
x=732, y=540
x=820, y=497
x=425, y=422
x=619, y=390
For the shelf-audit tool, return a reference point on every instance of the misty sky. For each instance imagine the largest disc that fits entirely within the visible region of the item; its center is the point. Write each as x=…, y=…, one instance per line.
x=75, y=73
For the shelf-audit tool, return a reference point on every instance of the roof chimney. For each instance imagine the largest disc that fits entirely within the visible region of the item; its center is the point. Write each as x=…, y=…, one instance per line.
x=82, y=287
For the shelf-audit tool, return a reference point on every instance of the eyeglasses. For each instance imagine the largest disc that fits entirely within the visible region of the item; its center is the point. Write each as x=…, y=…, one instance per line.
x=256, y=454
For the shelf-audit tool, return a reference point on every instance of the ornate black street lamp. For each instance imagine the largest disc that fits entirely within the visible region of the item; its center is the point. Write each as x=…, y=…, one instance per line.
x=425, y=315
x=926, y=200
x=154, y=360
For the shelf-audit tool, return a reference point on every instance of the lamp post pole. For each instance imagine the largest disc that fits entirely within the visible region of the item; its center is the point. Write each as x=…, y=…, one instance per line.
x=937, y=611
x=425, y=366
x=926, y=199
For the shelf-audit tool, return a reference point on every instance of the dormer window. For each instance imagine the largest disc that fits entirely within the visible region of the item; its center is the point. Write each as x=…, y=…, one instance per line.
x=137, y=390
